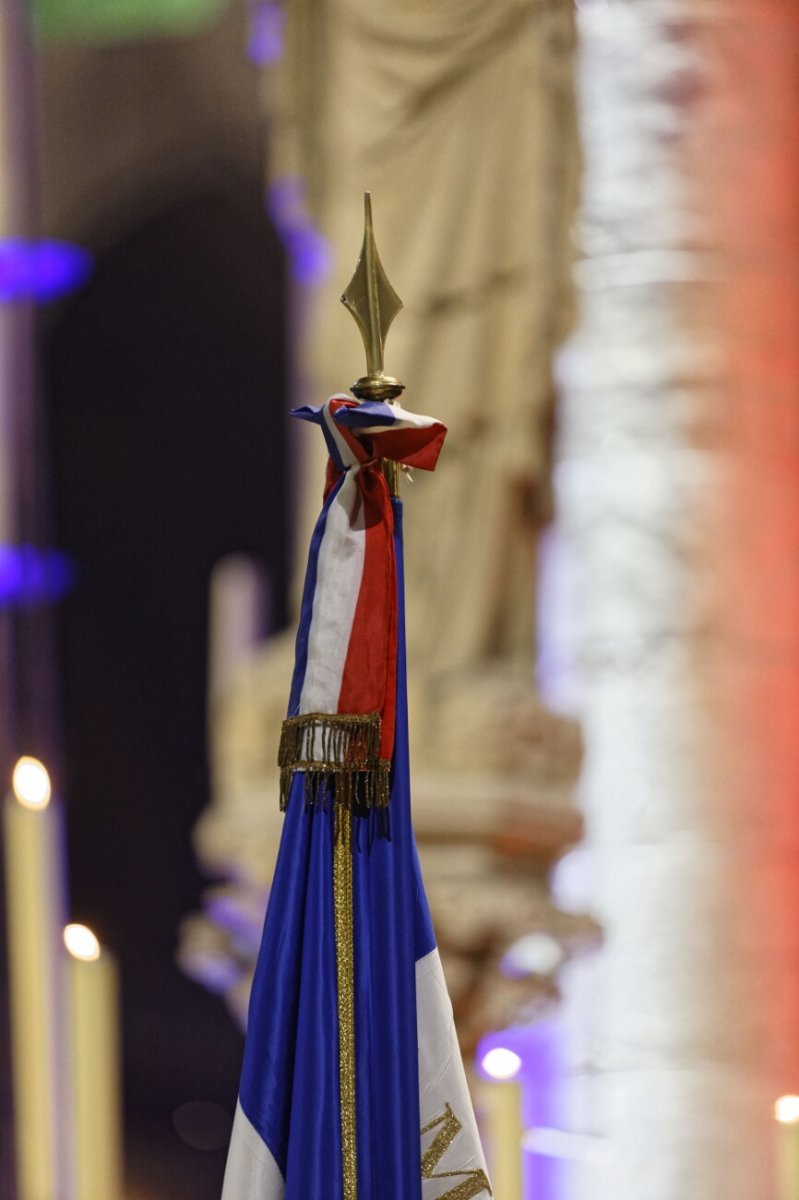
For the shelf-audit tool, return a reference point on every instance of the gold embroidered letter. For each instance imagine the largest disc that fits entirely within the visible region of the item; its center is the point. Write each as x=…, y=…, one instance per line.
x=473, y=1183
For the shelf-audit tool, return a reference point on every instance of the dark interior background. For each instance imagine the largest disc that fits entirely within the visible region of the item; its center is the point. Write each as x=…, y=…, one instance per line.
x=165, y=384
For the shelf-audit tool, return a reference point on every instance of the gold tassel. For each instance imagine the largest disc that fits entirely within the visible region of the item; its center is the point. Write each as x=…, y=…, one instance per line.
x=339, y=754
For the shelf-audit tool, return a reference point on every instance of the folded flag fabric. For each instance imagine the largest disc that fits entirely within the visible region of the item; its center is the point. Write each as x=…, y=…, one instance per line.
x=352, y=1086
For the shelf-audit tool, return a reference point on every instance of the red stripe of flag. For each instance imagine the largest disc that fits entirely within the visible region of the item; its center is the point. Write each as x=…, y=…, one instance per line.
x=369, y=678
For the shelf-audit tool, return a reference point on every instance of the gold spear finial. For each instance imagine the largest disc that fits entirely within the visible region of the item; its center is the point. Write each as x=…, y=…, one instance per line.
x=374, y=304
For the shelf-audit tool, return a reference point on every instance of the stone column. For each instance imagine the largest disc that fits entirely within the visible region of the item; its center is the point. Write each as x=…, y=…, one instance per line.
x=679, y=509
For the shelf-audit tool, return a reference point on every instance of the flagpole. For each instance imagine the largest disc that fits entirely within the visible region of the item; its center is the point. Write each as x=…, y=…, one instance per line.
x=373, y=303
x=348, y=962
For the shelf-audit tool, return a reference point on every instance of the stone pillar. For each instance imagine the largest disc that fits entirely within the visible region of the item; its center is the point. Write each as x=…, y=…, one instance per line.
x=679, y=510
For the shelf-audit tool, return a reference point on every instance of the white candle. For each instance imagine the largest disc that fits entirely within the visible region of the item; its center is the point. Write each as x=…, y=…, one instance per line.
x=34, y=905
x=503, y=1125
x=502, y=1122
x=786, y=1111
x=94, y=993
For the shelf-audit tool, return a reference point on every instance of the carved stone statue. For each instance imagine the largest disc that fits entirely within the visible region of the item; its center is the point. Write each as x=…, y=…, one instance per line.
x=459, y=118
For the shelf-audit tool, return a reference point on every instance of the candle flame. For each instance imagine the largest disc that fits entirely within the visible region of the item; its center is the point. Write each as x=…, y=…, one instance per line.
x=31, y=783
x=501, y=1063
x=81, y=943
x=786, y=1110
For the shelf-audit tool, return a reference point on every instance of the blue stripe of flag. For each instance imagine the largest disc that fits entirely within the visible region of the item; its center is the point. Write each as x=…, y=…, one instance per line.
x=290, y=1080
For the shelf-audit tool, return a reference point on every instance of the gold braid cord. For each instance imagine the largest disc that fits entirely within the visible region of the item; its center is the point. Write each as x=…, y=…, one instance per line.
x=345, y=972
x=339, y=754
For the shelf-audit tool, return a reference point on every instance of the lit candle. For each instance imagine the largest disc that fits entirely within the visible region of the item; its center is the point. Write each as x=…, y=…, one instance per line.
x=34, y=906
x=94, y=991
x=502, y=1122
x=786, y=1110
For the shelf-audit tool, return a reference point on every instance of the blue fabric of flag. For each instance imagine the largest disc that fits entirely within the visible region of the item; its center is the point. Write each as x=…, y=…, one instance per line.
x=290, y=1080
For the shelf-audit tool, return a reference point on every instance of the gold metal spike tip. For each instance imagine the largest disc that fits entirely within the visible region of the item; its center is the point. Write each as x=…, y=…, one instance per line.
x=374, y=304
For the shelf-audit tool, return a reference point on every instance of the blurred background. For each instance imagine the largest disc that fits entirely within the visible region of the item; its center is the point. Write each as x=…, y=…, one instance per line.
x=591, y=212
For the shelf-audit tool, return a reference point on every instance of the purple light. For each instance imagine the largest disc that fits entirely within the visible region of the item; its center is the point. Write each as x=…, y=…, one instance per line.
x=267, y=22
x=285, y=194
x=309, y=254
x=242, y=916
x=540, y=1080
x=308, y=251
x=42, y=270
x=29, y=576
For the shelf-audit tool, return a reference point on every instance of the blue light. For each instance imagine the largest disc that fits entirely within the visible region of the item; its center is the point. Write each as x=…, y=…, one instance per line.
x=267, y=21
x=41, y=270
x=309, y=252
x=29, y=575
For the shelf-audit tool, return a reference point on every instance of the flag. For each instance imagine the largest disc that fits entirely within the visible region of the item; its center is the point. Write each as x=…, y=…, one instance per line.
x=352, y=1084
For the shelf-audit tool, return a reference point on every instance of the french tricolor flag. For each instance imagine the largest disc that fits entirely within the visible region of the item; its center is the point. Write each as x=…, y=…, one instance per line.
x=352, y=1086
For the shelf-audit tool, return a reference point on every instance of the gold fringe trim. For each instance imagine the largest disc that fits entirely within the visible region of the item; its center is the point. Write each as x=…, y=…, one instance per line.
x=339, y=754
